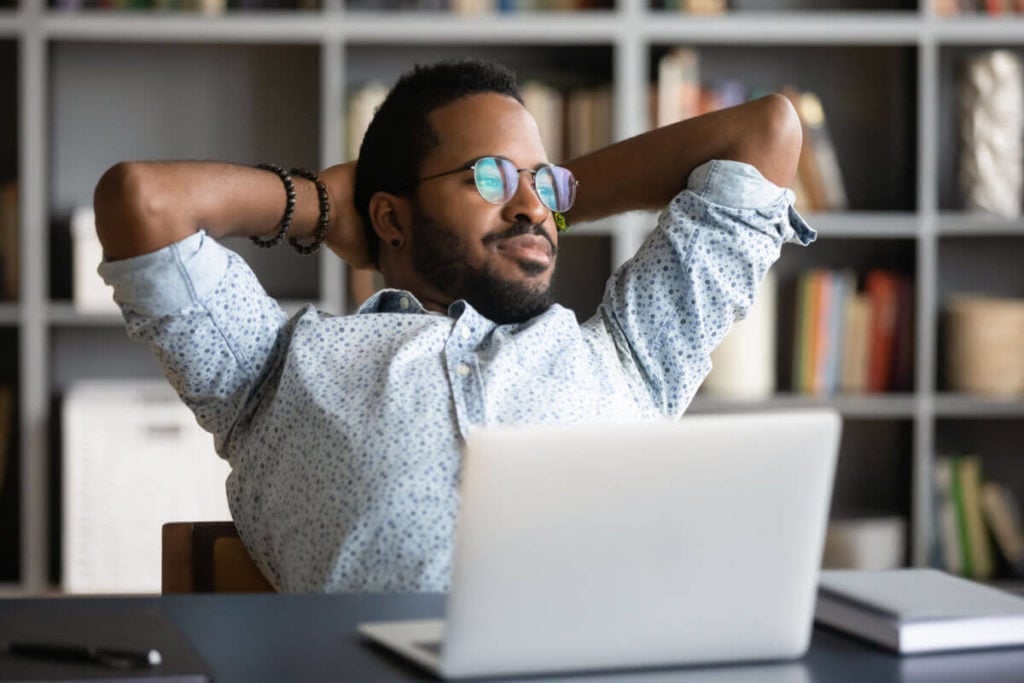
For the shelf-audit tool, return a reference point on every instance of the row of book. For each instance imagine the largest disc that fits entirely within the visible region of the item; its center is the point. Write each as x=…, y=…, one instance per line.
x=978, y=522
x=853, y=337
x=699, y=7
x=680, y=94
x=952, y=8
x=572, y=122
x=203, y=6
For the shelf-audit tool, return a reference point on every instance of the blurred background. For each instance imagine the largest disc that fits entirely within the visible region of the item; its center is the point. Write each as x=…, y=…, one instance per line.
x=907, y=315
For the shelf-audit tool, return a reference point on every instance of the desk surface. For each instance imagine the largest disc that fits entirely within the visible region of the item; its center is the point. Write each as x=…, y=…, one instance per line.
x=256, y=638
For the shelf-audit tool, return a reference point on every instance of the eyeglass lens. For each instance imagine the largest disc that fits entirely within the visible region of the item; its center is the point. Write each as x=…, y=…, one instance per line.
x=497, y=180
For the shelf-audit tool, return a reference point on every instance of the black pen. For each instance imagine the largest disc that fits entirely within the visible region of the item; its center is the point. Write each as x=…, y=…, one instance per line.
x=105, y=656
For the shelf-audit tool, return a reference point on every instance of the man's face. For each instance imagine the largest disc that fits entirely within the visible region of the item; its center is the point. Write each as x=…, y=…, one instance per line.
x=500, y=258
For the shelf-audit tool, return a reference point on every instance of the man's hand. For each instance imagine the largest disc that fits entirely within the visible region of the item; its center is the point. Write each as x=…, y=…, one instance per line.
x=346, y=235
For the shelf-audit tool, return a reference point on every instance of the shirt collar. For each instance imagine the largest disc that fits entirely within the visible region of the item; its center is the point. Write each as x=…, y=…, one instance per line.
x=392, y=301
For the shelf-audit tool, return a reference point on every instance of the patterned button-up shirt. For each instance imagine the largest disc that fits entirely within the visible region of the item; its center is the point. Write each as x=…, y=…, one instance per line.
x=344, y=432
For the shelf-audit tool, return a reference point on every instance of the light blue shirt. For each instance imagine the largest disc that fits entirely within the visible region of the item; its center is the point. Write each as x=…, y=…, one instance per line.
x=344, y=432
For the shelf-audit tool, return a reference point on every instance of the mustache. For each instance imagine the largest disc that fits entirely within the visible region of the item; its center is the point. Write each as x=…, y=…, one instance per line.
x=522, y=228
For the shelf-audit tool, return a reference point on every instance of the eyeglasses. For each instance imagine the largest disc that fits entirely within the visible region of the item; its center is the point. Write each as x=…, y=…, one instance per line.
x=497, y=180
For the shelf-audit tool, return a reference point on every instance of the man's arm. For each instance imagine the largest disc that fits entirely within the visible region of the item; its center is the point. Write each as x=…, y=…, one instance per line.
x=646, y=171
x=144, y=206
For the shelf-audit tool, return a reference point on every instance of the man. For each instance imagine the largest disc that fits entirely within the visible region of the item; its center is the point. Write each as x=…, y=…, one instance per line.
x=343, y=432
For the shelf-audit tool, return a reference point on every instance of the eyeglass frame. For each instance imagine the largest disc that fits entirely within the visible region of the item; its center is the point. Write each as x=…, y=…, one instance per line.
x=471, y=166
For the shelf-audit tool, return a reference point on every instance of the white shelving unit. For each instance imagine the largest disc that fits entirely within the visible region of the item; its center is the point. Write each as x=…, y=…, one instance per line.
x=114, y=51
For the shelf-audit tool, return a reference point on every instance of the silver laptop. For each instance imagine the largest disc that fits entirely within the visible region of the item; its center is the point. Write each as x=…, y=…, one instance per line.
x=632, y=545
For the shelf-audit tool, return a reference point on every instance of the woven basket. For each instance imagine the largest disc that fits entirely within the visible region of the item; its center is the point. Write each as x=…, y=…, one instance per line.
x=986, y=346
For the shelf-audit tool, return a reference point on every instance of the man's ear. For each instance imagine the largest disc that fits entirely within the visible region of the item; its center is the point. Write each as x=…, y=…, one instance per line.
x=390, y=216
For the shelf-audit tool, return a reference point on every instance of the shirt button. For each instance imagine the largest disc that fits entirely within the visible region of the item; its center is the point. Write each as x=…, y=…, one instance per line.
x=462, y=369
x=403, y=303
x=466, y=333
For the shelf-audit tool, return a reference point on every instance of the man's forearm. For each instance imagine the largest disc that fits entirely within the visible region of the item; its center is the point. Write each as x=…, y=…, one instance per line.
x=646, y=171
x=145, y=206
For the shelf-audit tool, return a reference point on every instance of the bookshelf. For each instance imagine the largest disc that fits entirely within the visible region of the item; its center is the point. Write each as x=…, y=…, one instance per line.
x=85, y=89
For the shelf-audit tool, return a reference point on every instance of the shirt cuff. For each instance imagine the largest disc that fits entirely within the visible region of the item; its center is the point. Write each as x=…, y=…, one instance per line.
x=169, y=279
x=740, y=185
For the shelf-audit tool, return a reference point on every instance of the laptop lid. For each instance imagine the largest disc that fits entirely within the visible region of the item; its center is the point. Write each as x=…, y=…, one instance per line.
x=639, y=544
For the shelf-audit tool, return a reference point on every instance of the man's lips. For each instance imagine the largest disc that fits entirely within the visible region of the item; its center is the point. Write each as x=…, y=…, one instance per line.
x=529, y=247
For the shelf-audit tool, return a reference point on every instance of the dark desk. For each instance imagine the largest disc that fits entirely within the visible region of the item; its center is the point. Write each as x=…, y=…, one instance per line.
x=285, y=638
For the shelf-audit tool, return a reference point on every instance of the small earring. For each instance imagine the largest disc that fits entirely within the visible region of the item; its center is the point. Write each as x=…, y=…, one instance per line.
x=396, y=243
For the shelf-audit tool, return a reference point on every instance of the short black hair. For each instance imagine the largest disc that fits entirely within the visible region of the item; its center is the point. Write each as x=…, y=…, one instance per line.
x=400, y=134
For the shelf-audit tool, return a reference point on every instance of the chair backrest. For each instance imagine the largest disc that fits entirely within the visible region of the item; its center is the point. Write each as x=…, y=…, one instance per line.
x=208, y=557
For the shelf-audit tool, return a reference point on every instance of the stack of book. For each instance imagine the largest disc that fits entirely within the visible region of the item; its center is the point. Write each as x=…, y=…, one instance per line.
x=968, y=512
x=849, y=339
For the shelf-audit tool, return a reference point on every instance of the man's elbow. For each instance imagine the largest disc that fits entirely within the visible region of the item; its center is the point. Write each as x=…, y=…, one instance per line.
x=773, y=140
x=122, y=204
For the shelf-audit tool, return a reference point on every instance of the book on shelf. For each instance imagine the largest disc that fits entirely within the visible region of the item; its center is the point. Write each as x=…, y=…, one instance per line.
x=915, y=611
x=820, y=178
x=678, y=87
x=980, y=534
x=680, y=94
x=849, y=340
x=1002, y=514
x=362, y=105
x=547, y=106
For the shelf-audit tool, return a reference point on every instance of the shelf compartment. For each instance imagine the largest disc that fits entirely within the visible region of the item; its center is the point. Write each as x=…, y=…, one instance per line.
x=983, y=266
x=898, y=255
x=951, y=60
x=869, y=98
x=995, y=440
x=260, y=104
x=874, y=472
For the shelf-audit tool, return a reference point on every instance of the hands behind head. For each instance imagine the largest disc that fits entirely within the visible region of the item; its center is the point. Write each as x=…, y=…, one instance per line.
x=346, y=235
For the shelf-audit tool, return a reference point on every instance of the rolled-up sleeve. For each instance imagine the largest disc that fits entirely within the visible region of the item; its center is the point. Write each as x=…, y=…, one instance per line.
x=207, y=319
x=695, y=275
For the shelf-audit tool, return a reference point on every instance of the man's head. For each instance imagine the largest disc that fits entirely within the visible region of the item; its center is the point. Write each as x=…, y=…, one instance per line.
x=431, y=230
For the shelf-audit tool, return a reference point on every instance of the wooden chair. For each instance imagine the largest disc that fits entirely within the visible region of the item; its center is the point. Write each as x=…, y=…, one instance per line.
x=208, y=557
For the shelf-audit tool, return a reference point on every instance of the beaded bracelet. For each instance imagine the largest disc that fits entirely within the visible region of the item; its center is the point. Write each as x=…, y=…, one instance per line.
x=325, y=213
x=289, y=208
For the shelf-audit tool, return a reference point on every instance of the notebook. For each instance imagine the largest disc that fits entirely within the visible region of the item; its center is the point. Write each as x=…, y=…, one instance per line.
x=632, y=545
x=920, y=610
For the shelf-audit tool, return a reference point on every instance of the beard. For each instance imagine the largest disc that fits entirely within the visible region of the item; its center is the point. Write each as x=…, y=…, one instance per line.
x=442, y=259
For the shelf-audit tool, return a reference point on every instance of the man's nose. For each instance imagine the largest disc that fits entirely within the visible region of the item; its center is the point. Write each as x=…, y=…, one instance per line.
x=525, y=204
